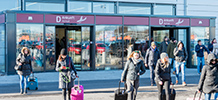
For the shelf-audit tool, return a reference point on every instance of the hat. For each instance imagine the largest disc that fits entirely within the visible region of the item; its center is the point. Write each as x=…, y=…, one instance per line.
x=153, y=43
x=173, y=39
x=63, y=51
x=163, y=55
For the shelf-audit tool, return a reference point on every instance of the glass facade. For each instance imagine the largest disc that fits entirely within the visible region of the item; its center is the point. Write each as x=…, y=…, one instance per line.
x=158, y=36
x=164, y=10
x=80, y=6
x=31, y=36
x=2, y=48
x=108, y=47
x=198, y=33
x=41, y=6
x=86, y=48
x=10, y=5
x=103, y=7
x=127, y=8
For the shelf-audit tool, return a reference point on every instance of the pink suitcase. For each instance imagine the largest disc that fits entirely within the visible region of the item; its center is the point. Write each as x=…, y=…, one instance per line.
x=77, y=92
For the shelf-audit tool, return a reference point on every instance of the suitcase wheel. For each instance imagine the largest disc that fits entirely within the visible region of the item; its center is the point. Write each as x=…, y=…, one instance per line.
x=36, y=88
x=28, y=88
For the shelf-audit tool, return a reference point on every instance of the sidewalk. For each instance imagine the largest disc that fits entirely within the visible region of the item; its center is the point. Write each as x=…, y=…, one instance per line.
x=84, y=76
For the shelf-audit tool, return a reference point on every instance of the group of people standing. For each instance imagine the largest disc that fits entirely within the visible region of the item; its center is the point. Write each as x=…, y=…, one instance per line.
x=159, y=61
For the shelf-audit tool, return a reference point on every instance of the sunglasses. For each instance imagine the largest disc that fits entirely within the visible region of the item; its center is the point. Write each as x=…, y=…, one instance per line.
x=136, y=51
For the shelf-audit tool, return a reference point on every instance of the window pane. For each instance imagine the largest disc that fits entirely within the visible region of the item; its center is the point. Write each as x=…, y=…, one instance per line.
x=2, y=48
x=163, y=10
x=108, y=47
x=10, y=5
x=31, y=36
x=125, y=8
x=100, y=7
x=198, y=33
x=76, y=6
x=37, y=6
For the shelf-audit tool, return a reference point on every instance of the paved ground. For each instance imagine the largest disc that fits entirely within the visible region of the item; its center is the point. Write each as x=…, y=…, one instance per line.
x=99, y=85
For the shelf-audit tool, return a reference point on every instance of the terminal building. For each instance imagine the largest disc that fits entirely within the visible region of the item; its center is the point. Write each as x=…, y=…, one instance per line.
x=97, y=33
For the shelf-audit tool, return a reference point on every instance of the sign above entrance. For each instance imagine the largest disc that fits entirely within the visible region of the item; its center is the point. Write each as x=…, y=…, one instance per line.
x=2, y=18
x=78, y=19
x=136, y=21
x=200, y=22
x=30, y=18
x=170, y=21
x=108, y=20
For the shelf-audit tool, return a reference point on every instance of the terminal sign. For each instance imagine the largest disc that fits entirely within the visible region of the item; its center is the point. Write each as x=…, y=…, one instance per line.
x=170, y=21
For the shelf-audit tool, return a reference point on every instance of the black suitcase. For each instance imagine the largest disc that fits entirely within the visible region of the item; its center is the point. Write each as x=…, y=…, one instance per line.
x=172, y=94
x=120, y=94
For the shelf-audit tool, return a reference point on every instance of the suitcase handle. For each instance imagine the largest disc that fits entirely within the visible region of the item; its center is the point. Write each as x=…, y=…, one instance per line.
x=196, y=94
x=124, y=86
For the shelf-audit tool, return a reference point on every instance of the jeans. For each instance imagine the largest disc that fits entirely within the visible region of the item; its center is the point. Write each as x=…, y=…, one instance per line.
x=132, y=88
x=23, y=81
x=178, y=65
x=208, y=96
x=166, y=85
x=151, y=73
x=66, y=94
x=200, y=61
x=173, y=64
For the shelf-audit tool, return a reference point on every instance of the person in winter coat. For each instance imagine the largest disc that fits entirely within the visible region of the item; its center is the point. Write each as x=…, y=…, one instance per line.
x=133, y=69
x=25, y=61
x=210, y=46
x=164, y=45
x=151, y=57
x=170, y=49
x=162, y=75
x=208, y=82
x=64, y=66
x=181, y=57
x=199, y=49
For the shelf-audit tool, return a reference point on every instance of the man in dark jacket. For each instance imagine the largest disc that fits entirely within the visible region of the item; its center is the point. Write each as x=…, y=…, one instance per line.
x=208, y=82
x=164, y=45
x=151, y=57
x=199, y=49
x=170, y=49
x=210, y=46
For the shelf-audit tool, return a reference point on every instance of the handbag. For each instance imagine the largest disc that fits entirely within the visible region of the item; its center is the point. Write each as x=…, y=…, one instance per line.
x=18, y=67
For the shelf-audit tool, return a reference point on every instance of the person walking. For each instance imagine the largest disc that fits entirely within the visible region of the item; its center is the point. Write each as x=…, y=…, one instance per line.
x=170, y=49
x=210, y=46
x=164, y=45
x=25, y=61
x=181, y=56
x=209, y=78
x=199, y=49
x=132, y=70
x=151, y=57
x=162, y=76
x=65, y=66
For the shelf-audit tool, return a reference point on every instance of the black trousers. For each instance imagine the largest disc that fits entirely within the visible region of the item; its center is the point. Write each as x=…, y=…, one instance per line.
x=166, y=85
x=66, y=94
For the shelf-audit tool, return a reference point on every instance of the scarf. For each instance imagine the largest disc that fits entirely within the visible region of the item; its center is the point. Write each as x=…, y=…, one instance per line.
x=135, y=61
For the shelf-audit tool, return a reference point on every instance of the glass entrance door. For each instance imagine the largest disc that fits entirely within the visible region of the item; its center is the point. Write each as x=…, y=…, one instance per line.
x=158, y=36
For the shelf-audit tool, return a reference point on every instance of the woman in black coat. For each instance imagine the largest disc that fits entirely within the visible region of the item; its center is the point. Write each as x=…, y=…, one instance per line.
x=24, y=60
x=64, y=66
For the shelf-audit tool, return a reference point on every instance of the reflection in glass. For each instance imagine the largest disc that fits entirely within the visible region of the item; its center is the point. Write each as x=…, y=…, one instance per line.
x=103, y=7
x=50, y=47
x=85, y=48
x=126, y=8
x=198, y=33
x=158, y=36
x=39, y=6
x=31, y=36
x=108, y=47
x=10, y=5
x=79, y=6
x=2, y=48
x=163, y=10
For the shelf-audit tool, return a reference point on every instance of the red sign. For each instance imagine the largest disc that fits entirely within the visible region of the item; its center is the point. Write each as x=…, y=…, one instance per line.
x=200, y=22
x=136, y=21
x=170, y=21
x=78, y=19
x=2, y=18
x=30, y=18
x=108, y=20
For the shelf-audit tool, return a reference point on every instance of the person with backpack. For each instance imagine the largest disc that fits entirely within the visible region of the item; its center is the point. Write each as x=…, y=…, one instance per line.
x=24, y=68
x=199, y=49
x=151, y=57
x=181, y=57
x=65, y=67
x=133, y=69
x=162, y=75
x=208, y=82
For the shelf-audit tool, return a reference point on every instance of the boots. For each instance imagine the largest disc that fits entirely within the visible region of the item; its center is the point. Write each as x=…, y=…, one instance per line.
x=25, y=90
x=68, y=94
x=21, y=91
x=64, y=94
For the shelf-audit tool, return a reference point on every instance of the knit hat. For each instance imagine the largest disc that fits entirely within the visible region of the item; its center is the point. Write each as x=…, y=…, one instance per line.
x=173, y=39
x=153, y=43
x=163, y=55
x=63, y=51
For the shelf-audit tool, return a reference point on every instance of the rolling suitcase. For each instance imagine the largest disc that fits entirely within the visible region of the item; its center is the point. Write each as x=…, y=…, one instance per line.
x=77, y=92
x=172, y=93
x=32, y=83
x=195, y=96
x=120, y=94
